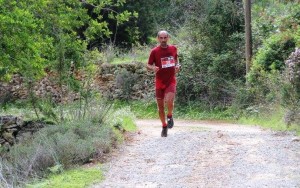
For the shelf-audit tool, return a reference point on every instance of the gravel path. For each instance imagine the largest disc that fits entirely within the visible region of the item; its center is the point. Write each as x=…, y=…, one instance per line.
x=205, y=154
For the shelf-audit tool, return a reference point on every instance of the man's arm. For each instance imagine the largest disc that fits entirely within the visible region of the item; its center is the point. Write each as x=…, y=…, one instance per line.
x=151, y=63
x=177, y=65
x=152, y=68
x=177, y=68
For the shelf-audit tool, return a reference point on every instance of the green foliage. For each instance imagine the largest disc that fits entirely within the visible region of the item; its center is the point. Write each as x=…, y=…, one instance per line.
x=268, y=116
x=77, y=178
x=116, y=55
x=123, y=119
x=213, y=57
x=73, y=142
x=137, y=53
x=23, y=47
x=151, y=16
x=112, y=21
x=265, y=87
x=269, y=17
x=275, y=50
x=192, y=110
x=202, y=111
x=54, y=36
x=141, y=109
x=267, y=84
x=64, y=145
x=278, y=41
x=34, y=34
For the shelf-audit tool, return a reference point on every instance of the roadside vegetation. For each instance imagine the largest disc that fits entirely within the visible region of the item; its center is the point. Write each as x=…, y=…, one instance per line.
x=59, y=147
x=68, y=37
x=77, y=178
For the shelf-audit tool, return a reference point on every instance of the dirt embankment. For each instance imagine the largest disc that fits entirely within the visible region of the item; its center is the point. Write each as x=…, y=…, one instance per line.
x=205, y=154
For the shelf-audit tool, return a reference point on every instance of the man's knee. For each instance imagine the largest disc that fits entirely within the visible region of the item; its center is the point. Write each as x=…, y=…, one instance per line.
x=160, y=104
x=169, y=97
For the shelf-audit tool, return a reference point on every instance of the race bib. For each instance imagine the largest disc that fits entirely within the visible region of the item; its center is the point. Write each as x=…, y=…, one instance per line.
x=167, y=62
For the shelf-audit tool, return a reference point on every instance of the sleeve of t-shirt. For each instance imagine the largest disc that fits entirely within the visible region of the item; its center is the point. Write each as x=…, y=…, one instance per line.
x=151, y=59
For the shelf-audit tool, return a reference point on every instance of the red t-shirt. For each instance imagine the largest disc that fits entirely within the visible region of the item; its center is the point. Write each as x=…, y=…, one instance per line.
x=165, y=59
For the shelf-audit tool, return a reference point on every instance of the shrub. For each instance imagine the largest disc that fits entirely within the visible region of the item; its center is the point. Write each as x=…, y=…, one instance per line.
x=58, y=147
x=291, y=89
x=125, y=81
x=275, y=50
x=293, y=69
x=123, y=119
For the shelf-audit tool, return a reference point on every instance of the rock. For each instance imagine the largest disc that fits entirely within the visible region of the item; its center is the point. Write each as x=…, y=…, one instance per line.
x=23, y=136
x=13, y=126
x=296, y=139
x=2, y=141
x=8, y=136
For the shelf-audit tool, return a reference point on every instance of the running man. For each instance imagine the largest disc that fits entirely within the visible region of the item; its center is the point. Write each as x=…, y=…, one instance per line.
x=163, y=62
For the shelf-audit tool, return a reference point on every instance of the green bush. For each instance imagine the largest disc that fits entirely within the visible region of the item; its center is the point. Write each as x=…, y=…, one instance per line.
x=58, y=147
x=276, y=34
x=275, y=51
x=67, y=144
x=270, y=17
x=212, y=58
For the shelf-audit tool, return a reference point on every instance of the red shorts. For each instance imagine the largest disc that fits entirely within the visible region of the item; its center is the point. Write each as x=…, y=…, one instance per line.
x=160, y=93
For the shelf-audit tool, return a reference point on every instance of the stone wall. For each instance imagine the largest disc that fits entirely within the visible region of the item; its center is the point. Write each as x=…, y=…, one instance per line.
x=13, y=130
x=124, y=81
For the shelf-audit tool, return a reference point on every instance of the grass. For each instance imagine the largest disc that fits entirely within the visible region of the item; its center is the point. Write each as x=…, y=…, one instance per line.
x=123, y=117
x=148, y=110
x=270, y=119
x=16, y=110
x=75, y=178
x=136, y=54
x=274, y=121
x=141, y=109
x=72, y=142
x=200, y=113
x=129, y=59
x=84, y=177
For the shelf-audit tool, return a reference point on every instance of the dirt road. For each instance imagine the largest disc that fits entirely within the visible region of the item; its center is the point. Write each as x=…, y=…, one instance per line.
x=205, y=154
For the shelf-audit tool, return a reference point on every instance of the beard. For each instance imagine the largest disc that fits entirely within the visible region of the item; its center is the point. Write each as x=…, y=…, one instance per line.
x=163, y=44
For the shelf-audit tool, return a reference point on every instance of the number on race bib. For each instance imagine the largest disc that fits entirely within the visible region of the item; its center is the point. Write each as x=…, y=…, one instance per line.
x=167, y=62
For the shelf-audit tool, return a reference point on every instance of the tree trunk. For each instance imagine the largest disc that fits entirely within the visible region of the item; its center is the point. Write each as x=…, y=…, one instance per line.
x=248, y=35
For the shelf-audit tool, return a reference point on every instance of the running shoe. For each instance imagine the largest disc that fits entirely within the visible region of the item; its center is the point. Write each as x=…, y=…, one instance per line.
x=164, y=132
x=170, y=122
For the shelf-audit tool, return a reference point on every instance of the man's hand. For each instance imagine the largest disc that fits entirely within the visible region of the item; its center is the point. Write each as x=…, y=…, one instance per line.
x=155, y=68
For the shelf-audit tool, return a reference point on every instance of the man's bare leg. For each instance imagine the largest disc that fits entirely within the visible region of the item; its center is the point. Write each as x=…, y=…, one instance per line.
x=162, y=116
x=170, y=105
x=161, y=111
x=170, y=102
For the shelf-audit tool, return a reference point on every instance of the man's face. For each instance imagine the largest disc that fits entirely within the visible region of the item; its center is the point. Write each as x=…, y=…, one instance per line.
x=163, y=39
